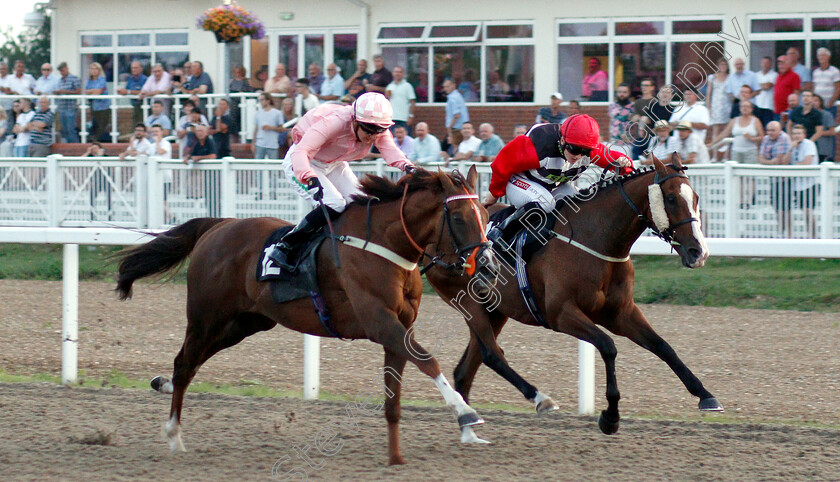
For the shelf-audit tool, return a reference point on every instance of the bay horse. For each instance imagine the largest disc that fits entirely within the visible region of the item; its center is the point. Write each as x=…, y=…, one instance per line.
x=580, y=286
x=368, y=296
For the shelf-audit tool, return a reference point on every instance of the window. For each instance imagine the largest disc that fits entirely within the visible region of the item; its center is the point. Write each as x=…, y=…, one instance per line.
x=298, y=50
x=489, y=62
x=774, y=35
x=115, y=51
x=596, y=55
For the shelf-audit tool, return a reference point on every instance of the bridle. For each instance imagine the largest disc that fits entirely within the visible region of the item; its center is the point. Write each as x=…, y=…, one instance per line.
x=467, y=254
x=666, y=234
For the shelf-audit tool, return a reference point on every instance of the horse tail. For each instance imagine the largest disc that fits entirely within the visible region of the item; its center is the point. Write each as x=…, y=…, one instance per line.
x=166, y=252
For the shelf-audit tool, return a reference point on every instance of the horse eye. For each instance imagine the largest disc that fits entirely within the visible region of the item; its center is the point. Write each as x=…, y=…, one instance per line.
x=671, y=198
x=457, y=219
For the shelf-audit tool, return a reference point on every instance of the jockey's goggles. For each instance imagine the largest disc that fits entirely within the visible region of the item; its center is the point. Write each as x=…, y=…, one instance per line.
x=372, y=129
x=577, y=150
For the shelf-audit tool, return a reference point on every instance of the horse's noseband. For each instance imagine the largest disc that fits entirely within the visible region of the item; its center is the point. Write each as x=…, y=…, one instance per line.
x=667, y=234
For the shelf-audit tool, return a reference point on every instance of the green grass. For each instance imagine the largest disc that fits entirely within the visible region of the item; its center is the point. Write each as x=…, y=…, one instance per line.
x=780, y=284
x=801, y=284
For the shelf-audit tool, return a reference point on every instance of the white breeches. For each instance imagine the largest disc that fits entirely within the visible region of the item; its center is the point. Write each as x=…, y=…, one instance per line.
x=521, y=190
x=337, y=179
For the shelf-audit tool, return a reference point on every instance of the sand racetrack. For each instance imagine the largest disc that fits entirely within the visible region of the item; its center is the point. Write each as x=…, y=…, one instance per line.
x=775, y=372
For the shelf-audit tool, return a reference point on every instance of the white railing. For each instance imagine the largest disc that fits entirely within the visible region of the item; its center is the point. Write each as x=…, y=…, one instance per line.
x=736, y=200
x=247, y=109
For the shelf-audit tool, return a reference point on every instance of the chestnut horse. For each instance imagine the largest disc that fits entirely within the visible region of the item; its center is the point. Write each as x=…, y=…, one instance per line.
x=587, y=281
x=368, y=296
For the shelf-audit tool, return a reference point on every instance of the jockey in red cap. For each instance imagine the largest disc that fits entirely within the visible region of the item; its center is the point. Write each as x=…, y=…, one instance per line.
x=534, y=169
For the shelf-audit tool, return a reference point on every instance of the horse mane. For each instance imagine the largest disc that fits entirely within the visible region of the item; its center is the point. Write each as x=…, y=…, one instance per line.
x=591, y=192
x=383, y=189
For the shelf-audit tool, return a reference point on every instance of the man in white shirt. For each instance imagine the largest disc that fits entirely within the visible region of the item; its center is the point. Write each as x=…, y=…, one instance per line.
x=160, y=147
x=827, y=80
x=139, y=144
x=426, y=147
x=47, y=82
x=403, y=99
x=159, y=83
x=468, y=146
x=333, y=86
x=20, y=82
x=5, y=103
x=692, y=150
x=803, y=152
x=304, y=100
x=799, y=68
x=740, y=77
x=691, y=111
x=22, y=140
x=766, y=81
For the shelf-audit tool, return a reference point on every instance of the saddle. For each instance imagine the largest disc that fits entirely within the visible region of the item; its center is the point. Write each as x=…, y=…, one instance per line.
x=302, y=280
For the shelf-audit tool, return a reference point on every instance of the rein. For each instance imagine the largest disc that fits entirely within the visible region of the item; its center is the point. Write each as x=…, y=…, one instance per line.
x=667, y=233
x=465, y=263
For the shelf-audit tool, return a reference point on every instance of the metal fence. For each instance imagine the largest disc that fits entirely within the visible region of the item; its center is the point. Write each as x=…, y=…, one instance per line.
x=736, y=200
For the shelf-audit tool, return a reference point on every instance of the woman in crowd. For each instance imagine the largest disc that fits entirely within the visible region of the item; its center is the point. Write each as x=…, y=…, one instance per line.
x=97, y=85
x=719, y=103
x=238, y=84
x=747, y=132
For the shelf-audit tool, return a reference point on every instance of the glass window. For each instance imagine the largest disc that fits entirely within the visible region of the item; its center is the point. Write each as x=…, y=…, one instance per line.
x=344, y=53
x=133, y=40
x=639, y=28
x=172, y=60
x=826, y=24
x=510, y=74
x=124, y=64
x=97, y=40
x=107, y=62
x=172, y=38
x=288, y=54
x=453, y=31
x=313, y=52
x=772, y=49
x=458, y=64
x=636, y=61
x=259, y=71
x=775, y=25
x=510, y=31
x=697, y=26
x=574, y=66
x=693, y=62
x=582, y=29
x=415, y=60
x=401, y=33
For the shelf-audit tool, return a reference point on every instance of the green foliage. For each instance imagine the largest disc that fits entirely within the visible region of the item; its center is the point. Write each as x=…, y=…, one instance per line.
x=43, y=262
x=32, y=48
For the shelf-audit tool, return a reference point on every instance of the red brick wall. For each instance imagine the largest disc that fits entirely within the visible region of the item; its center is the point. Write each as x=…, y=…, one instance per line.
x=239, y=151
x=503, y=118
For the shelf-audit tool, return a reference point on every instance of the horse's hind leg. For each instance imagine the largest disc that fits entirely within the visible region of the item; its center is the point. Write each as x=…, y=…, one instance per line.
x=203, y=340
x=636, y=327
x=574, y=322
x=394, y=365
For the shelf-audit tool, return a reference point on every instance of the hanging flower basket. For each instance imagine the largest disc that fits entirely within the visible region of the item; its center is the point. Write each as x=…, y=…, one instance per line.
x=229, y=23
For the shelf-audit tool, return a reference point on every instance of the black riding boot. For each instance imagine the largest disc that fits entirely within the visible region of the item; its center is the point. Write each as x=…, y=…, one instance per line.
x=307, y=226
x=512, y=224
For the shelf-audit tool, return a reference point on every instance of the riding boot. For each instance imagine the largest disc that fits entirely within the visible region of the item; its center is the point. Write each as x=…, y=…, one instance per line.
x=507, y=228
x=309, y=225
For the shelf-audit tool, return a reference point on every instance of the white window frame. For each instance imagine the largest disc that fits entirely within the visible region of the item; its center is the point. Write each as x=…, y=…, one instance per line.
x=806, y=35
x=611, y=39
x=431, y=43
x=301, y=33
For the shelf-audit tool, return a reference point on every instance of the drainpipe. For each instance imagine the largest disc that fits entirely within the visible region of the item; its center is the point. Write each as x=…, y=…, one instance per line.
x=364, y=29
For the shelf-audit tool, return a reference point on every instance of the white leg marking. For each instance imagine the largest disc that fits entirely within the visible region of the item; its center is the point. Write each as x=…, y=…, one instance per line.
x=451, y=397
x=688, y=195
x=172, y=429
x=539, y=398
x=468, y=436
x=167, y=388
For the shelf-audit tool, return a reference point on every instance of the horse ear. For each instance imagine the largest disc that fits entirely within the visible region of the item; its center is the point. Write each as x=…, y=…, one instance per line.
x=445, y=182
x=472, y=177
x=676, y=161
x=660, y=167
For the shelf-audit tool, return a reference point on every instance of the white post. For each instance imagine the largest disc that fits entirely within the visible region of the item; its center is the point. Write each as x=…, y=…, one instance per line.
x=54, y=191
x=141, y=191
x=154, y=179
x=227, y=185
x=70, y=315
x=827, y=194
x=732, y=194
x=311, y=369
x=586, y=378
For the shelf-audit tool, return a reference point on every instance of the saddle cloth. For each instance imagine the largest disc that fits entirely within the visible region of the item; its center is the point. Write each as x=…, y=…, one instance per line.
x=285, y=285
x=531, y=245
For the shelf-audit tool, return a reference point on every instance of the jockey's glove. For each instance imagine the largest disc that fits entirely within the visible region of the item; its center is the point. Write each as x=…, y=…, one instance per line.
x=315, y=184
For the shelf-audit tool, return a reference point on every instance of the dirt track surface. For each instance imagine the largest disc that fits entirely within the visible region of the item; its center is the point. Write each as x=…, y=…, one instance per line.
x=762, y=365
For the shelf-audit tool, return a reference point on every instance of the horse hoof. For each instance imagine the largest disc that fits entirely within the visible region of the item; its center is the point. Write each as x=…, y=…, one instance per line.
x=468, y=436
x=710, y=405
x=396, y=460
x=606, y=425
x=161, y=384
x=547, y=405
x=469, y=420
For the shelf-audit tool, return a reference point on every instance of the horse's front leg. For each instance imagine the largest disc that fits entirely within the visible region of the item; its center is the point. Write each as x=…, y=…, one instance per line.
x=485, y=328
x=635, y=326
x=572, y=321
